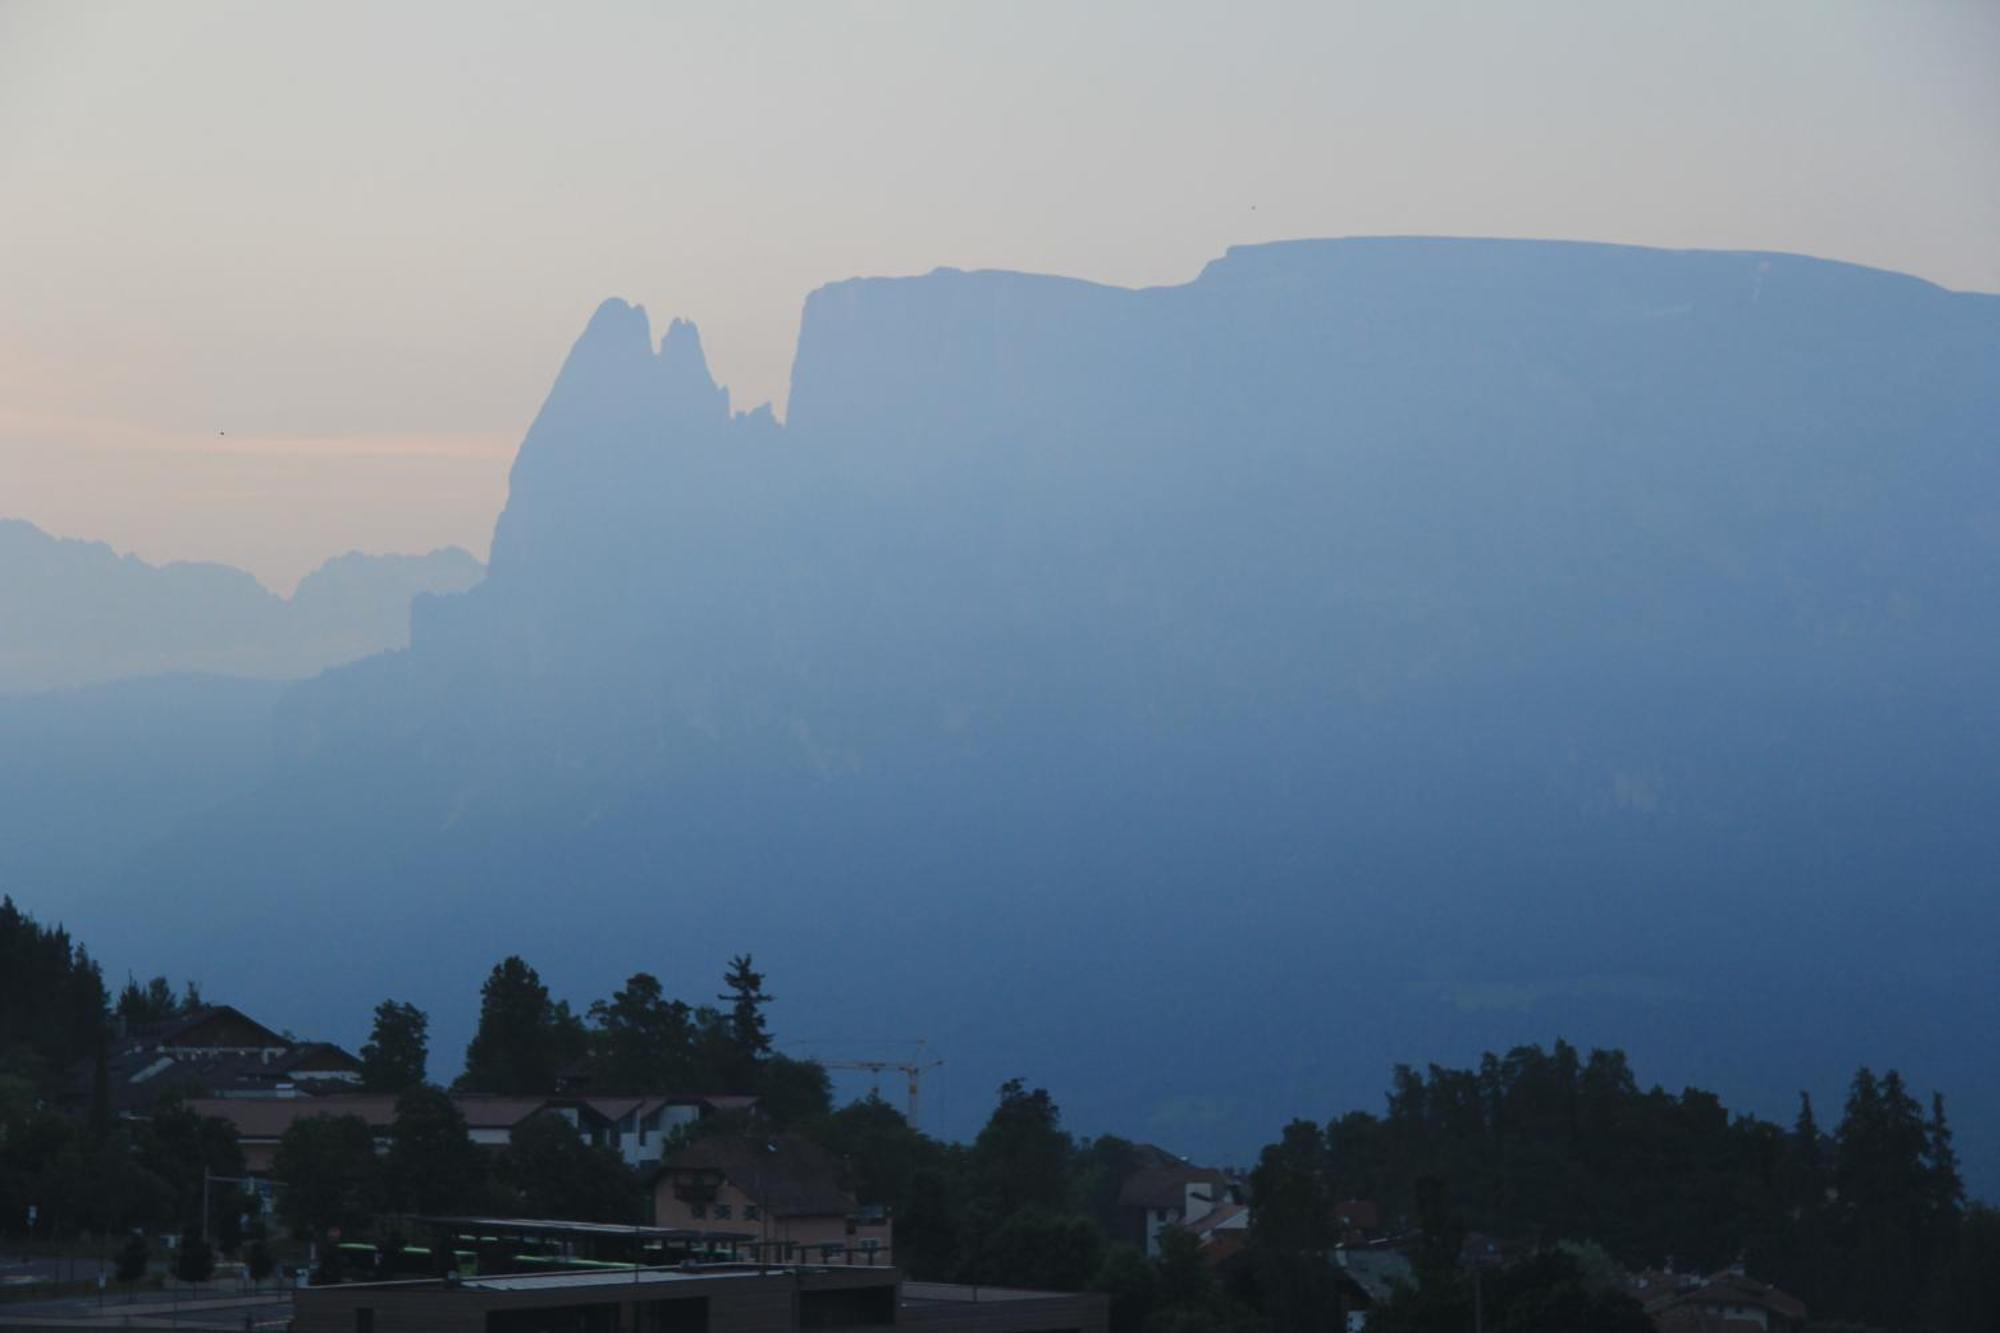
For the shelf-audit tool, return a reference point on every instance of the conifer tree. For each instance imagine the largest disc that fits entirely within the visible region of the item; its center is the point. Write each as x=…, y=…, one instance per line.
x=1947, y=1189
x=749, y=1037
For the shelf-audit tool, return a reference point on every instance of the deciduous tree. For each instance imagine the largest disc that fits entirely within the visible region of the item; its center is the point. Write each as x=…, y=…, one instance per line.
x=552, y=1172
x=1021, y=1158
x=432, y=1165
x=398, y=1049
x=330, y=1172
x=133, y=1258
x=524, y=1039
x=194, y=1258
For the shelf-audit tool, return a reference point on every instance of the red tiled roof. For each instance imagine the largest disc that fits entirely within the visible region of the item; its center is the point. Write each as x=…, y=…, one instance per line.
x=721, y=1101
x=1726, y=1289
x=498, y=1111
x=1212, y=1222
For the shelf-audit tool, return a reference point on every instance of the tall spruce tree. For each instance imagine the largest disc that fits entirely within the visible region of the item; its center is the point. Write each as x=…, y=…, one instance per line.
x=749, y=1037
x=1947, y=1188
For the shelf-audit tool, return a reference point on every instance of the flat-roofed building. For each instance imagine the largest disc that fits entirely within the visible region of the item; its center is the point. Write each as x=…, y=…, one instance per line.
x=707, y=1299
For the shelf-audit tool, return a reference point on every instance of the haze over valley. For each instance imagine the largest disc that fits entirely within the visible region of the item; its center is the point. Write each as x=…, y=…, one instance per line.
x=76, y=613
x=1204, y=696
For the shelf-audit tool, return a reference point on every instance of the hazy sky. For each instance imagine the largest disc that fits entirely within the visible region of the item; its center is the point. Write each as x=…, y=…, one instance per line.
x=358, y=239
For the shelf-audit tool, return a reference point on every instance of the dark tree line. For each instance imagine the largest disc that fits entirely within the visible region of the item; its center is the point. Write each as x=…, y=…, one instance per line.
x=638, y=1040
x=78, y=1175
x=1563, y=1156
x=52, y=1001
x=1866, y=1223
x=156, y=1001
x=530, y=1044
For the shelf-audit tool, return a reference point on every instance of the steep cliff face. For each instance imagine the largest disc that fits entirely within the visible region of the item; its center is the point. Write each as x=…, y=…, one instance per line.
x=1372, y=628
x=1323, y=478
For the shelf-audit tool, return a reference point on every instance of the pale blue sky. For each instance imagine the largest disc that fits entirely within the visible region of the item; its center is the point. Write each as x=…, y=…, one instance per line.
x=359, y=238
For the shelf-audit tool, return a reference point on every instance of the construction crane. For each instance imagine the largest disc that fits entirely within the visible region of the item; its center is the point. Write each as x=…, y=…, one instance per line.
x=913, y=1068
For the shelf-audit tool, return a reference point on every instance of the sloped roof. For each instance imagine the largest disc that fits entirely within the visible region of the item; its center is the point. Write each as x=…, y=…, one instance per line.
x=1166, y=1186
x=720, y=1101
x=137, y=1079
x=617, y=1108
x=500, y=1111
x=618, y=1105
x=270, y=1117
x=1377, y=1271
x=789, y=1176
x=313, y=1055
x=1730, y=1288
x=213, y=1022
x=1222, y=1217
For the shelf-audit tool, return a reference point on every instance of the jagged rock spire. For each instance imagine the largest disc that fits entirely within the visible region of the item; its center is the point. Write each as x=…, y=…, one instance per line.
x=619, y=422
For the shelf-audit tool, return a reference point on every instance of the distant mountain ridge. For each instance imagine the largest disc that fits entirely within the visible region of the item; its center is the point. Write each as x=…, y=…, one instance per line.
x=1196, y=699
x=78, y=613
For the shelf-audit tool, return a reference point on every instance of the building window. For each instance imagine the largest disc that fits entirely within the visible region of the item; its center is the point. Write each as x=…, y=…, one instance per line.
x=750, y=1212
x=722, y=1212
x=698, y=1209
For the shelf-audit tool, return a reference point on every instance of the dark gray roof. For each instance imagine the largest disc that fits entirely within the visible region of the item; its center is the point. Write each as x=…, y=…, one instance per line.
x=1378, y=1272
x=1166, y=1186
x=787, y=1175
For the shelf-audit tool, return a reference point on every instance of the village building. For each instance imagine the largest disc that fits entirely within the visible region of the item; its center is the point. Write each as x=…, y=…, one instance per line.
x=1726, y=1302
x=789, y=1191
x=1166, y=1191
x=214, y=1051
x=641, y=1128
x=1367, y=1278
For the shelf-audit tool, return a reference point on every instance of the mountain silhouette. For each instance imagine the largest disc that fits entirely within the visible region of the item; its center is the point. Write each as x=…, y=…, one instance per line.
x=77, y=613
x=1197, y=698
